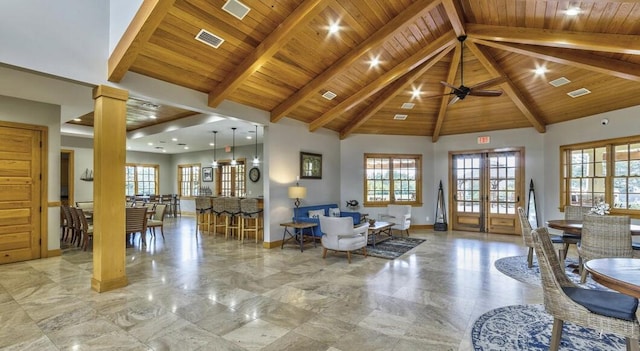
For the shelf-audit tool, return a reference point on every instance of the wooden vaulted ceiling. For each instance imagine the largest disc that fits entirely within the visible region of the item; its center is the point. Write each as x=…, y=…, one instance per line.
x=281, y=58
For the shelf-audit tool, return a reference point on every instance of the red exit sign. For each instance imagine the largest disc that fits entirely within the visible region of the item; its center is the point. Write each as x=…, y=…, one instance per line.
x=484, y=140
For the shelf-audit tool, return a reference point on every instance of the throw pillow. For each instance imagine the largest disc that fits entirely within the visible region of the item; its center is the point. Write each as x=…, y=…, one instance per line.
x=316, y=214
x=334, y=212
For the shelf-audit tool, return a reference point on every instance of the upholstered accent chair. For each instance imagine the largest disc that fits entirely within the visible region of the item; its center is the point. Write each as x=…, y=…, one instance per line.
x=400, y=215
x=340, y=235
x=596, y=309
x=526, y=229
x=603, y=237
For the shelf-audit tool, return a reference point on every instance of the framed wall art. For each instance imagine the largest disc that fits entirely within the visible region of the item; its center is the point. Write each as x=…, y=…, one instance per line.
x=207, y=174
x=310, y=165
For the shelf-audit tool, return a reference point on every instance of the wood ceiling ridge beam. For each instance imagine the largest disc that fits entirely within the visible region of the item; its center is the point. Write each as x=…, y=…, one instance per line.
x=392, y=90
x=444, y=102
x=455, y=15
x=617, y=43
x=346, y=61
x=584, y=60
x=265, y=50
x=144, y=23
x=512, y=91
x=390, y=76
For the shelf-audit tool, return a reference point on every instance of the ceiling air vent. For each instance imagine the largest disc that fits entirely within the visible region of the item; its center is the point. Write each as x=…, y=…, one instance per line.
x=209, y=38
x=559, y=82
x=400, y=117
x=408, y=105
x=329, y=95
x=579, y=92
x=236, y=8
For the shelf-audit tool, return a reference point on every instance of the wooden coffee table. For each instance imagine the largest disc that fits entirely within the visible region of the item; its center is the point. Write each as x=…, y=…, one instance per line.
x=380, y=228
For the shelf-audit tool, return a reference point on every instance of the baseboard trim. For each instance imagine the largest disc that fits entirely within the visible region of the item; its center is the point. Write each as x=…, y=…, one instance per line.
x=54, y=253
x=272, y=244
x=420, y=226
x=108, y=285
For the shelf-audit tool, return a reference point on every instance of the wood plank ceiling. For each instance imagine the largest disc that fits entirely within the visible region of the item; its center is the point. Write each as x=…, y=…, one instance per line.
x=281, y=57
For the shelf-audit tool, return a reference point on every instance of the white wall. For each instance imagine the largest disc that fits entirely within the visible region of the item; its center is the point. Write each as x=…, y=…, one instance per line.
x=66, y=38
x=121, y=13
x=352, y=152
x=37, y=113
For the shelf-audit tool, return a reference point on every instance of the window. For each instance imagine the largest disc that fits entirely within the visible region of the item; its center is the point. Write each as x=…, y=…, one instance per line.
x=392, y=179
x=231, y=181
x=189, y=180
x=606, y=171
x=141, y=179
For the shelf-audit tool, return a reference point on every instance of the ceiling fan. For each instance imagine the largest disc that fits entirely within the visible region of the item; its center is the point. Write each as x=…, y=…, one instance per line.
x=462, y=91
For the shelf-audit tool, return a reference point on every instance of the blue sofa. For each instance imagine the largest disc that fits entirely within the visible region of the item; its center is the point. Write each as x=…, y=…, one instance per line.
x=301, y=214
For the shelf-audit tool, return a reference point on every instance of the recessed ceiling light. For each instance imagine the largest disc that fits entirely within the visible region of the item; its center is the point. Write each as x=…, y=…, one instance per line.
x=416, y=93
x=374, y=62
x=174, y=139
x=211, y=144
x=163, y=150
x=152, y=117
x=540, y=70
x=249, y=137
x=329, y=95
x=78, y=119
x=408, y=105
x=334, y=28
x=573, y=11
x=150, y=144
x=186, y=148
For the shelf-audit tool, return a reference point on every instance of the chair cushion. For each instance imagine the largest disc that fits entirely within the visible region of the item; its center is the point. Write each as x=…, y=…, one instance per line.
x=606, y=303
x=556, y=239
x=635, y=246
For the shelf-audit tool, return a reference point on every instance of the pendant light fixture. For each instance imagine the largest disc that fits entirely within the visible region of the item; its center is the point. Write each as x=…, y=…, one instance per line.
x=215, y=145
x=233, y=148
x=256, y=161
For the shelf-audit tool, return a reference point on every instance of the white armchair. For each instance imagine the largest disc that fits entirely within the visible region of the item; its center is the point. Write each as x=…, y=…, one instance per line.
x=400, y=215
x=340, y=235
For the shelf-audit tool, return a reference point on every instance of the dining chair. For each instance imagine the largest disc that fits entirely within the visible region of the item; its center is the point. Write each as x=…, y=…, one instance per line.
x=67, y=228
x=76, y=231
x=596, y=309
x=525, y=228
x=86, y=229
x=574, y=213
x=157, y=220
x=167, y=199
x=136, y=222
x=604, y=237
x=250, y=216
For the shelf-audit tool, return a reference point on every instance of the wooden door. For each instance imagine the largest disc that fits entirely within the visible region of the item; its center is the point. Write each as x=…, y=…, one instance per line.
x=486, y=190
x=20, y=198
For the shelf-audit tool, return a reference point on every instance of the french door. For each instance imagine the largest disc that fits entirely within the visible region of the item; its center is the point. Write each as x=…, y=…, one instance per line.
x=486, y=190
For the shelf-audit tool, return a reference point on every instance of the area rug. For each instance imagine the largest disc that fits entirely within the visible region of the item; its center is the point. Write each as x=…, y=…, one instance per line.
x=516, y=268
x=528, y=327
x=393, y=247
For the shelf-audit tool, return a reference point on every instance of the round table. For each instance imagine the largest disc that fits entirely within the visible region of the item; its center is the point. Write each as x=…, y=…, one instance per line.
x=575, y=226
x=620, y=274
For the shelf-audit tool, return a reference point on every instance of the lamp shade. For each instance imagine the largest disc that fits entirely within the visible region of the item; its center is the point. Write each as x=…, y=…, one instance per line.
x=297, y=192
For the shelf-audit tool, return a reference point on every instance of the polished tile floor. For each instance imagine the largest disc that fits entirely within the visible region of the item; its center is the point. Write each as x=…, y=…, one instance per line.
x=207, y=293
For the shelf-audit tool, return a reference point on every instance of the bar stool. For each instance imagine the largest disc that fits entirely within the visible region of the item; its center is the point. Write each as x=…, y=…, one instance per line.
x=250, y=214
x=203, y=212
x=176, y=206
x=217, y=215
x=232, y=211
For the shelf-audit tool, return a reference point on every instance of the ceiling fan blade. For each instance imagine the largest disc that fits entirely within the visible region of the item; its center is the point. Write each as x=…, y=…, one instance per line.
x=448, y=85
x=485, y=92
x=454, y=100
x=488, y=83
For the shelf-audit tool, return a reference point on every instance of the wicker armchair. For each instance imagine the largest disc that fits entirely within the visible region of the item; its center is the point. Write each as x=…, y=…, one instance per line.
x=596, y=309
x=602, y=237
x=525, y=228
x=574, y=213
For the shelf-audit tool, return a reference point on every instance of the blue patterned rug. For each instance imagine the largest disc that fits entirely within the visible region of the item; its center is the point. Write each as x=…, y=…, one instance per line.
x=528, y=327
x=516, y=268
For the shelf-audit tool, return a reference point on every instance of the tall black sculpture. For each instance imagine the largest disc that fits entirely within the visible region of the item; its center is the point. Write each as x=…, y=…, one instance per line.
x=441, y=213
x=532, y=211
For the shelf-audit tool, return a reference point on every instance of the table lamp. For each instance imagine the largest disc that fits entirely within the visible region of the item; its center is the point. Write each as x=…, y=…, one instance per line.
x=297, y=192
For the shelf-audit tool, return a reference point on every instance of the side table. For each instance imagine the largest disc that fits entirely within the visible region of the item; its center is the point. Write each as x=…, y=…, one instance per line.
x=297, y=234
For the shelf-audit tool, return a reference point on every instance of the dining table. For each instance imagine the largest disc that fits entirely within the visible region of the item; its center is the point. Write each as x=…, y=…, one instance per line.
x=620, y=274
x=574, y=226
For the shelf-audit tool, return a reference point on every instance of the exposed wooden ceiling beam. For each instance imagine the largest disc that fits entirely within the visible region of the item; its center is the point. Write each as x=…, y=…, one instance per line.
x=144, y=23
x=444, y=102
x=618, y=43
x=389, y=29
x=263, y=52
x=599, y=64
x=518, y=99
x=392, y=91
x=454, y=13
x=378, y=84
